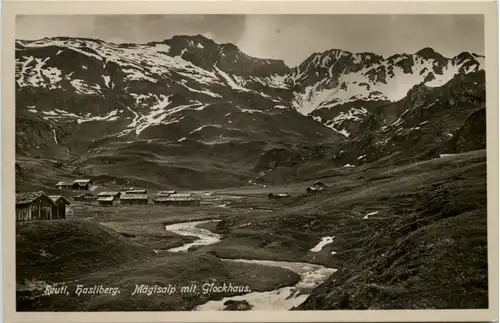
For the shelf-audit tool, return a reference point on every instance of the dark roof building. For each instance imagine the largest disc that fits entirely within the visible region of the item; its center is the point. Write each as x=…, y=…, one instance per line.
x=32, y=206
x=82, y=184
x=59, y=199
x=28, y=197
x=61, y=203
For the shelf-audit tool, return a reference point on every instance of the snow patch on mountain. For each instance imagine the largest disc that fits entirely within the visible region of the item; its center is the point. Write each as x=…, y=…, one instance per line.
x=112, y=116
x=205, y=126
x=386, y=79
x=82, y=87
x=202, y=91
x=251, y=111
x=137, y=75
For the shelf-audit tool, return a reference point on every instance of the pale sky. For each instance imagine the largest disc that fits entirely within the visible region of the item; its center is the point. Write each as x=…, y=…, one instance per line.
x=291, y=38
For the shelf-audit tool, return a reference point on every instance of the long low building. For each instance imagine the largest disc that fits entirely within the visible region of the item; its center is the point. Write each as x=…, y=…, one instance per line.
x=176, y=200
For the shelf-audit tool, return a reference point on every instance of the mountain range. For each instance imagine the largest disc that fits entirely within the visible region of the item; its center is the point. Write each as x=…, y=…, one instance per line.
x=188, y=112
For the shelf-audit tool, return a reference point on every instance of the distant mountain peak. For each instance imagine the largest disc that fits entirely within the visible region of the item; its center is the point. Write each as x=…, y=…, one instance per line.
x=429, y=53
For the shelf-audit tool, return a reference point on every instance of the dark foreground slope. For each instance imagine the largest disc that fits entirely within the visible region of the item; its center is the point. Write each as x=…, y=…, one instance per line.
x=72, y=252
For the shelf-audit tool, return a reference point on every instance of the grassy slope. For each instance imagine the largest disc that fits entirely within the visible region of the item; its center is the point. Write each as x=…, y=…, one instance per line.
x=81, y=252
x=426, y=247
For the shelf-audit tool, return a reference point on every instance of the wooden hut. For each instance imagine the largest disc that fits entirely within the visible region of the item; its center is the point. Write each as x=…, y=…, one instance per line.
x=82, y=184
x=176, y=200
x=273, y=196
x=105, y=200
x=85, y=197
x=32, y=206
x=137, y=191
x=64, y=186
x=61, y=203
x=134, y=199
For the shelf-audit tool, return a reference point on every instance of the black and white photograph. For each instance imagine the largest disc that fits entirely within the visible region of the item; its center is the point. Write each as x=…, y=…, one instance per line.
x=250, y=162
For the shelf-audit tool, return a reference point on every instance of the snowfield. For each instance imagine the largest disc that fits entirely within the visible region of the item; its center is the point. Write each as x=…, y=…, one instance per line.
x=368, y=77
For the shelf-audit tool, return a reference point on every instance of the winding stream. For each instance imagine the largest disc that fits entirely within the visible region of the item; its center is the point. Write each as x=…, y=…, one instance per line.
x=284, y=298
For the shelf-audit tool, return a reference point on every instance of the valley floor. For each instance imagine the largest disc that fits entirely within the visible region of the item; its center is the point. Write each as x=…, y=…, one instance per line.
x=406, y=237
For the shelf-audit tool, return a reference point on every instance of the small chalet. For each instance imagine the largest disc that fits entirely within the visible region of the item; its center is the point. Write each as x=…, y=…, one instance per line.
x=137, y=191
x=319, y=184
x=61, y=203
x=82, y=184
x=134, y=199
x=105, y=200
x=272, y=196
x=64, y=185
x=165, y=193
x=85, y=197
x=176, y=200
x=32, y=206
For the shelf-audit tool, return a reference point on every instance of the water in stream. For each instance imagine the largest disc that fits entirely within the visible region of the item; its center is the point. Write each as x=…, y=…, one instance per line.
x=280, y=299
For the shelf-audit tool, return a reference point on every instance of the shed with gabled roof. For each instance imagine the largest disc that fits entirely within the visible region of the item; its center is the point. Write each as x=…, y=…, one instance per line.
x=61, y=203
x=82, y=184
x=32, y=206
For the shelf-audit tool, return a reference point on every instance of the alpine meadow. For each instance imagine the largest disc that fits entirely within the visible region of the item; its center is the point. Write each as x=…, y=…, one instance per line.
x=181, y=172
